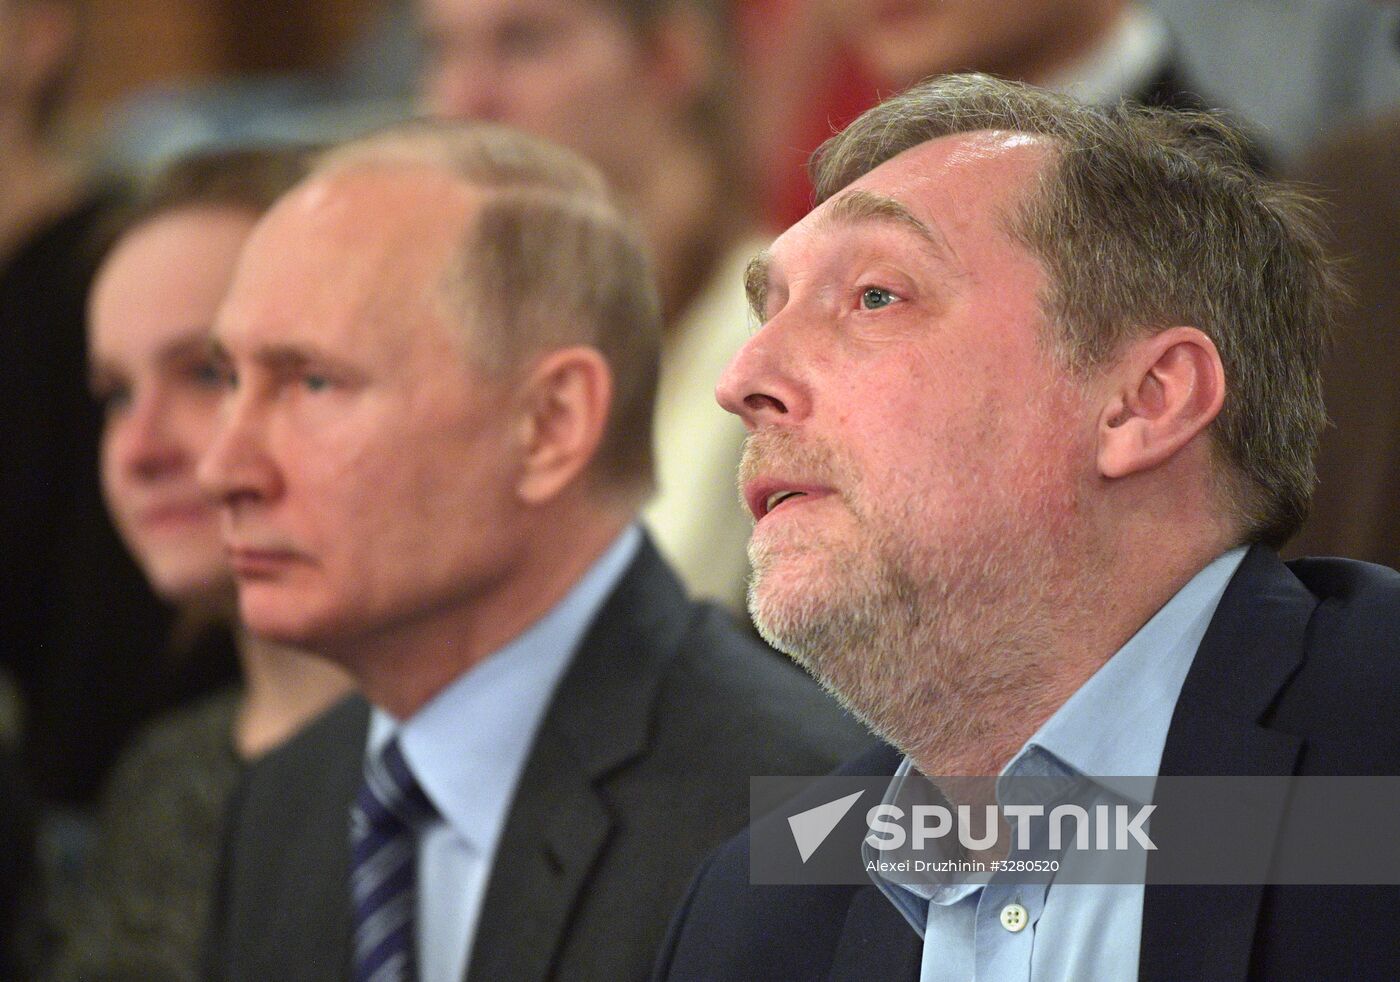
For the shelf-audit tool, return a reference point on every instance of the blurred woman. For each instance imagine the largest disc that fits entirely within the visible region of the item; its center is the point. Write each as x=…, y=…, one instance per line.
x=152, y=305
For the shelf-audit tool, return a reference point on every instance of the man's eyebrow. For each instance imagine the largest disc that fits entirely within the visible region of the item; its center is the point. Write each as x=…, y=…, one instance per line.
x=859, y=205
x=282, y=357
x=852, y=208
x=756, y=282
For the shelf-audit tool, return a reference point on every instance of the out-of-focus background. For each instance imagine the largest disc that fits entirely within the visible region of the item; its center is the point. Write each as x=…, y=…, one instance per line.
x=158, y=76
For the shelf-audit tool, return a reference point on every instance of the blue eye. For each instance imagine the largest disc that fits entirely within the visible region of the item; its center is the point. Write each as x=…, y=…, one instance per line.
x=874, y=297
x=315, y=383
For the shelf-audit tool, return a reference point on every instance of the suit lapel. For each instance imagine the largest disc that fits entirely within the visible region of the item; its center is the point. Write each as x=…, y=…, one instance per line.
x=559, y=824
x=1254, y=645
x=556, y=831
x=326, y=898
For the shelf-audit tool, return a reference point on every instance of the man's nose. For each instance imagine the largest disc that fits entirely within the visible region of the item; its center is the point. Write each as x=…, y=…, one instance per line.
x=759, y=385
x=238, y=466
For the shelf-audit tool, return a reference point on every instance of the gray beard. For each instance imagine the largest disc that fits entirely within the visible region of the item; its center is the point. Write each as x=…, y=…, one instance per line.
x=934, y=654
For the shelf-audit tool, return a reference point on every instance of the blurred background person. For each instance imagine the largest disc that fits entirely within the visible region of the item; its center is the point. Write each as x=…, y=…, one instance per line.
x=82, y=639
x=1354, y=510
x=646, y=91
x=1097, y=50
x=1288, y=68
x=152, y=306
x=1296, y=69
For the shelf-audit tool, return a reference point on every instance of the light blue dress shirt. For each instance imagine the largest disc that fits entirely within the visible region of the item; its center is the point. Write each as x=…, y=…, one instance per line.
x=467, y=748
x=1115, y=725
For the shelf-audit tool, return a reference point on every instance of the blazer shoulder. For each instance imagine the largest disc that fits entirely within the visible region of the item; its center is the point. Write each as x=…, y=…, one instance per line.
x=728, y=928
x=280, y=909
x=1345, y=695
x=1360, y=601
x=332, y=741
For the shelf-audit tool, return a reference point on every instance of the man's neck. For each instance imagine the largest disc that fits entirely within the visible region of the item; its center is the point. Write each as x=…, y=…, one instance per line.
x=284, y=688
x=1085, y=619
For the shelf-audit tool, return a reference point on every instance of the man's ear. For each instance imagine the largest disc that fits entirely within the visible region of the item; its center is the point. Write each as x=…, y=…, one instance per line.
x=566, y=398
x=1165, y=389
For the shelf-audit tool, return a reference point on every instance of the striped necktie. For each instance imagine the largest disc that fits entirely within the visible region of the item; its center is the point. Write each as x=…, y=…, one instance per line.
x=385, y=819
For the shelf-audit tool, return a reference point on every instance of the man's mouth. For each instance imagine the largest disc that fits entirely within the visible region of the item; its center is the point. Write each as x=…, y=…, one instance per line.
x=766, y=496
x=778, y=497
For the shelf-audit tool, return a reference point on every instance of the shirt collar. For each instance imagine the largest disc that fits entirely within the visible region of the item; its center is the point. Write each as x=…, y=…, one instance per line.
x=468, y=745
x=1116, y=723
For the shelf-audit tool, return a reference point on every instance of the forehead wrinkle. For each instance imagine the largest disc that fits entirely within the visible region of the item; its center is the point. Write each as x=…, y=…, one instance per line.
x=859, y=206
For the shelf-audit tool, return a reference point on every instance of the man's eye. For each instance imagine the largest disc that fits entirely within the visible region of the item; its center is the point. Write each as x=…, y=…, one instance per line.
x=315, y=383
x=875, y=297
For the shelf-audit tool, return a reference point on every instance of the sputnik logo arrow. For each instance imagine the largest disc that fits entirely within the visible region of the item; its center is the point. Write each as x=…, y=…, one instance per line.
x=810, y=828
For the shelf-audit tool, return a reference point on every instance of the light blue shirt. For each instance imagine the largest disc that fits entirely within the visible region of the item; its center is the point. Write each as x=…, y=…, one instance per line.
x=1115, y=725
x=467, y=748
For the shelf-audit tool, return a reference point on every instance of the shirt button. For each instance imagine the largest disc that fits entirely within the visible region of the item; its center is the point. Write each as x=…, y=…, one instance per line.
x=1013, y=917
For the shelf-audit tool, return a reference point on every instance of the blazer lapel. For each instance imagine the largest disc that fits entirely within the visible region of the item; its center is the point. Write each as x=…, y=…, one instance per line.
x=876, y=942
x=556, y=831
x=558, y=827
x=1253, y=646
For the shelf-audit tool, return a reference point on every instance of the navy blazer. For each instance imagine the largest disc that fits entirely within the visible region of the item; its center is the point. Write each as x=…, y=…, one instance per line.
x=1298, y=673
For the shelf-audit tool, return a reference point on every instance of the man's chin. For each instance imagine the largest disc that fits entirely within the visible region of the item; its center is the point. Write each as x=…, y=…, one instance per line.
x=784, y=616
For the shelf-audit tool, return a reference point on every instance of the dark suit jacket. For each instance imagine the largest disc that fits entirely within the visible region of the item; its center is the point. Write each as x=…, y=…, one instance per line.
x=1299, y=673
x=641, y=766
